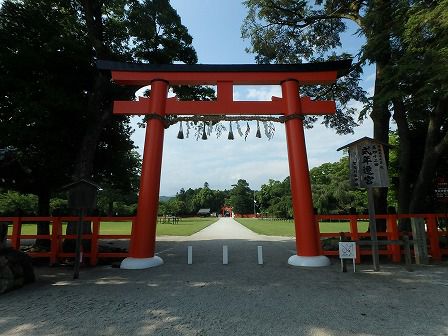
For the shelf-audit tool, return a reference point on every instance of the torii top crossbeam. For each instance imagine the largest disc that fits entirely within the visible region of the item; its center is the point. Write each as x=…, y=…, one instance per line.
x=224, y=77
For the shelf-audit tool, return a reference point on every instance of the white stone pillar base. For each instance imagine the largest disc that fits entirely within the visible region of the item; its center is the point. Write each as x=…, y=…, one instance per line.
x=141, y=263
x=317, y=261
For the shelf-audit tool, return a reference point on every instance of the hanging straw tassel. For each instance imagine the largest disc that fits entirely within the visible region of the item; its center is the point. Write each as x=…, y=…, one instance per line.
x=180, y=135
x=204, y=133
x=230, y=137
x=258, y=134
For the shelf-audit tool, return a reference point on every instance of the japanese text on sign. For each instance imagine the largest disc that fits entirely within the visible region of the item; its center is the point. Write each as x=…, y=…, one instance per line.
x=367, y=165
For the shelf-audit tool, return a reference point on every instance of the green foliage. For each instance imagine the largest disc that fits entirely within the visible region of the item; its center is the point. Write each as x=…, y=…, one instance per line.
x=55, y=111
x=406, y=40
x=45, y=65
x=11, y=202
x=188, y=202
x=294, y=31
x=332, y=193
x=58, y=203
x=241, y=198
x=274, y=198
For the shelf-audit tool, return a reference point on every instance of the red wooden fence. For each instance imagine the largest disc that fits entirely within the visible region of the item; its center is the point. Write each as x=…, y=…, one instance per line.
x=56, y=236
x=394, y=252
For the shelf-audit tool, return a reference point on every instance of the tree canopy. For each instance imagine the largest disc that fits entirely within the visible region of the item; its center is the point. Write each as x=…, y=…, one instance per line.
x=241, y=198
x=55, y=109
x=407, y=43
x=274, y=198
x=332, y=192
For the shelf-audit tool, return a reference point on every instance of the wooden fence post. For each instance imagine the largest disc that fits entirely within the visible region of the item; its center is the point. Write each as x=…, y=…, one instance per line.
x=419, y=237
x=16, y=232
x=355, y=237
x=94, y=241
x=433, y=235
x=56, y=229
x=394, y=234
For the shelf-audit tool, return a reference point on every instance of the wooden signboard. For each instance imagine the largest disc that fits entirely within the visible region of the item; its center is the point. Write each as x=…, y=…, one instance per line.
x=368, y=169
x=367, y=164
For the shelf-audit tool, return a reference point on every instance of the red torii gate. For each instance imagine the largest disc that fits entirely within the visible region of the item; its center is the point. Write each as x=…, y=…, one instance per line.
x=291, y=105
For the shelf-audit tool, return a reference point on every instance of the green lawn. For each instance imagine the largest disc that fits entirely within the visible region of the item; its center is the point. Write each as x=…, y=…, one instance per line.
x=185, y=227
x=286, y=228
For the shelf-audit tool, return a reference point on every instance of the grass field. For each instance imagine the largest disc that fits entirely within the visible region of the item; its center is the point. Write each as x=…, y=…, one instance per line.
x=185, y=227
x=286, y=228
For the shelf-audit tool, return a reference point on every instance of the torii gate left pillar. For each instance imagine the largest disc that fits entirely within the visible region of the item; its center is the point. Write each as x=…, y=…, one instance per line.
x=291, y=106
x=143, y=242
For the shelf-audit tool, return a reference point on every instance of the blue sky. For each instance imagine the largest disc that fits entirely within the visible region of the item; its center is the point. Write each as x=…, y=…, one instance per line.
x=215, y=26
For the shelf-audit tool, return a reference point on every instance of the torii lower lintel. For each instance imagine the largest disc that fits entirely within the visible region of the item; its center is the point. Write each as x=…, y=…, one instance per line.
x=290, y=77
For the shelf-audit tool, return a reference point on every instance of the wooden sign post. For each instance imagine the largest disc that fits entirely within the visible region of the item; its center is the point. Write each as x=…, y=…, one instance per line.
x=368, y=169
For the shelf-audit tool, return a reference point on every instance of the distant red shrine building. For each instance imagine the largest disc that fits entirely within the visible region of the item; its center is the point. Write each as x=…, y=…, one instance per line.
x=227, y=211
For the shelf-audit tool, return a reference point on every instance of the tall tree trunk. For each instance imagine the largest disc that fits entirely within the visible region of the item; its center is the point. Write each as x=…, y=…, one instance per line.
x=404, y=163
x=378, y=34
x=433, y=151
x=98, y=107
x=381, y=117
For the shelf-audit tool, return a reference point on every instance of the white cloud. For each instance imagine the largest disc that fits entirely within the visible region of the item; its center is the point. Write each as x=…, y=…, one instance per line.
x=221, y=162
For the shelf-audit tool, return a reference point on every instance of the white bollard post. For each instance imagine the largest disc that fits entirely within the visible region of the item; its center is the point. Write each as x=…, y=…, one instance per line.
x=260, y=255
x=190, y=255
x=225, y=255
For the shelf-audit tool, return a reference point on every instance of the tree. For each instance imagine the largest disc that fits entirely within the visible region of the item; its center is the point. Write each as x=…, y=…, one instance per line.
x=11, y=202
x=45, y=64
x=331, y=189
x=191, y=200
x=407, y=43
x=241, y=198
x=55, y=44
x=418, y=91
x=274, y=198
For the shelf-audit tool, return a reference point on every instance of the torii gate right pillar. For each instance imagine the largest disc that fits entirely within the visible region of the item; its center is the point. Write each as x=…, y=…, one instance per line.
x=307, y=235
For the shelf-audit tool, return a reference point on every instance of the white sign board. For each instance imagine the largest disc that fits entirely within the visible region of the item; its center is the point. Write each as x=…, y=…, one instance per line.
x=347, y=250
x=367, y=165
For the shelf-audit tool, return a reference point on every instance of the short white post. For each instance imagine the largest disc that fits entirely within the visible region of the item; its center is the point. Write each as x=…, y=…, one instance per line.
x=190, y=255
x=225, y=255
x=260, y=255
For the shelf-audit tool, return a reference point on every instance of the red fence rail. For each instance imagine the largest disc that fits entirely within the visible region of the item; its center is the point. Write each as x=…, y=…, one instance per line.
x=56, y=236
x=434, y=231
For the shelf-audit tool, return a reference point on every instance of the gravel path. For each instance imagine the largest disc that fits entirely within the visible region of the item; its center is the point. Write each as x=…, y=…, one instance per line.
x=241, y=298
x=228, y=228
x=225, y=228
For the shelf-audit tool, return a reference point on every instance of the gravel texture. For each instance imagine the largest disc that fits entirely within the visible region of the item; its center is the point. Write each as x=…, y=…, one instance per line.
x=241, y=298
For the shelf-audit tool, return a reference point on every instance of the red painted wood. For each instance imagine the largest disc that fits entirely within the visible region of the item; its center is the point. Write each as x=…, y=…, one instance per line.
x=144, y=229
x=307, y=235
x=56, y=229
x=394, y=235
x=434, y=239
x=224, y=107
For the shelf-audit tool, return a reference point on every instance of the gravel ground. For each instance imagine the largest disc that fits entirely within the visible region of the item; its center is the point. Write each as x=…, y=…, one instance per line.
x=241, y=298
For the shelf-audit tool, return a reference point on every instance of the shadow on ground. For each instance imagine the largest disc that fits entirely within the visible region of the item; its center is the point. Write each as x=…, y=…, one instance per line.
x=241, y=298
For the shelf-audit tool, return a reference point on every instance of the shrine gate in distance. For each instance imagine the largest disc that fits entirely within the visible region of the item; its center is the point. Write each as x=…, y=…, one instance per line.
x=293, y=107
